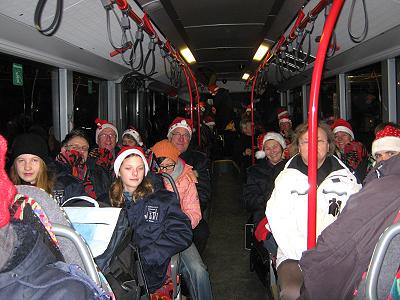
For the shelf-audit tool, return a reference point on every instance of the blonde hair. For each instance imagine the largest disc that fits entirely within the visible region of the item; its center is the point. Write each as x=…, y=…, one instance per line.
x=303, y=128
x=43, y=180
x=117, y=189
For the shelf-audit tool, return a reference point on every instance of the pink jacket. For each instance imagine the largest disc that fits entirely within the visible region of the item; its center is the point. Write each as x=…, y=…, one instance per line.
x=186, y=184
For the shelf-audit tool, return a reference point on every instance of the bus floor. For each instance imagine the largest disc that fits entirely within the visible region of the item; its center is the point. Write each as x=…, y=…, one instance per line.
x=225, y=256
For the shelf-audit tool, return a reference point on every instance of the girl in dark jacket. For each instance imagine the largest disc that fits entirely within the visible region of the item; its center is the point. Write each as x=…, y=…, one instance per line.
x=161, y=229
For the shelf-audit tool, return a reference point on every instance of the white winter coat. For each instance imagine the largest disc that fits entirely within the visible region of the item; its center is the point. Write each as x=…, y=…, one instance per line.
x=288, y=207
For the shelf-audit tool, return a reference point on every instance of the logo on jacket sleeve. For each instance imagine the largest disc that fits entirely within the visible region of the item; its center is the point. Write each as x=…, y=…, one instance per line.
x=152, y=213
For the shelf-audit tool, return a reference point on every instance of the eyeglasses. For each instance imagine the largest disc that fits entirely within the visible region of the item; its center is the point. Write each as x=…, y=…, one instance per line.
x=77, y=147
x=104, y=136
x=167, y=167
x=305, y=143
x=186, y=136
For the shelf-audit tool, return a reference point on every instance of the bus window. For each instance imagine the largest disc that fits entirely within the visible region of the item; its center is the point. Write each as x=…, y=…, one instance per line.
x=86, y=93
x=329, y=101
x=26, y=97
x=364, y=92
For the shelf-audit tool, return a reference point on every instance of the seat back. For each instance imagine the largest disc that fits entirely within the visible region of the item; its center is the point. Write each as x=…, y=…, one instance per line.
x=56, y=216
x=383, y=266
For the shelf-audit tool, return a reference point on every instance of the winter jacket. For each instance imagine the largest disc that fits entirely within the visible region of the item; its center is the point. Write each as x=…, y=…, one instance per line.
x=333, y=269
x=201, y=167
x=65, y=185
x=161, y=230
x=186, y=185
x=259, y=186
x=240, y=146
x=101, y=180
x=287, y=208
x=34, y=272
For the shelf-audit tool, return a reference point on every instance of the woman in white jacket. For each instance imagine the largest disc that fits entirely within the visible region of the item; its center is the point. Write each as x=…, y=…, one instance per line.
x=288, y=206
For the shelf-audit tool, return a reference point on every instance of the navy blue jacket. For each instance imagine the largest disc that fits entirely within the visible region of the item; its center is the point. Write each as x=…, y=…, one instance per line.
x=161, y=230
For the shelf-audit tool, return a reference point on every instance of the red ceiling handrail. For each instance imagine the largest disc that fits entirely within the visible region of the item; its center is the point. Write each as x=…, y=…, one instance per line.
x=313, y=119
x=292, y=35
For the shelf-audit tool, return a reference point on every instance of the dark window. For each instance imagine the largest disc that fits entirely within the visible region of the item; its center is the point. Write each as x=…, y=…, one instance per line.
x=28, y=106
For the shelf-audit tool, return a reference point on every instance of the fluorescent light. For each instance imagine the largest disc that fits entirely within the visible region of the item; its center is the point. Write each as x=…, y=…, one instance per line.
x=261, y=51
x=245, y=76
x=188, y=56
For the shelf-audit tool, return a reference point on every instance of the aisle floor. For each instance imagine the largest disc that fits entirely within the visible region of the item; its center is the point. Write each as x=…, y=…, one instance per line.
x=225, y=256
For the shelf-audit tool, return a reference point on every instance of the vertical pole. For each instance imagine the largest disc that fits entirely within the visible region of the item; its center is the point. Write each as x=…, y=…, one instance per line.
x=313, y=119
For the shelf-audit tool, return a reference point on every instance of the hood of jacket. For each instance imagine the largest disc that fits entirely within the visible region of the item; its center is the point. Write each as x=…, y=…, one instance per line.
x=30, y=254
x=384, y=168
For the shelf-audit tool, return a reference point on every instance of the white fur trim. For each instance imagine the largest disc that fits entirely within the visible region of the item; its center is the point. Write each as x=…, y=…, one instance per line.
x=283, y=113
x=133, y=133
x=260, y=154
x=283, y=120
x=182, y=124
x=344, y=129
x=276, y=137
x=120, y=158
x=387, y=143
x=104, y=126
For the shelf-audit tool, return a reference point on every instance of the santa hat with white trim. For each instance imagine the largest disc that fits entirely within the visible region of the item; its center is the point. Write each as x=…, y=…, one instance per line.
x=283, y=115
x=341, y=125
x=134, y=134
x=180, y=122
x=387, y=139
x=103, y=124
x=124, y=153
x=266, y=137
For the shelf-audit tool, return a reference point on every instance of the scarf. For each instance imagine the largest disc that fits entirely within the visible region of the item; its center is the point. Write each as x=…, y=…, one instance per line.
x=78, y=168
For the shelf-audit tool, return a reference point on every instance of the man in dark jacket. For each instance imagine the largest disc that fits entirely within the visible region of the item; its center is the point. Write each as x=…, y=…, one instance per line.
x=180, y=134
x=333, y=269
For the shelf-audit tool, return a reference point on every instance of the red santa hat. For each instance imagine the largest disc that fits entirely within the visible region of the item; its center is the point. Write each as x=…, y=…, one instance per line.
x=248, y=108
x=124, y=153
x=266, y=137
x=387, y=139
x=341, y=125
x=283, y=115
x=212, y=88
x=202, y=106
x=209, y=121
x=134, y=134
x=7, y=188
x=180, y=122
x=103, y=124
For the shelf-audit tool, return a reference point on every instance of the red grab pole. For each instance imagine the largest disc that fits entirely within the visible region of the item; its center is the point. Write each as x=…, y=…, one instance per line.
x=313, y=119
x=190, y=92
x=198, y=104
x=252, y=116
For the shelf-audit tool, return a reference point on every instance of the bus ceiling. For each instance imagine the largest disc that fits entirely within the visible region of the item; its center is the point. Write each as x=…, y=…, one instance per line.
x=223, y=37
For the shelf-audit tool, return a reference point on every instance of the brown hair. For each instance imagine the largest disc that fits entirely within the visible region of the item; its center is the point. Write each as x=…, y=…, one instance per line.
x=117, y=189
x=303, y=128
x=43, y=181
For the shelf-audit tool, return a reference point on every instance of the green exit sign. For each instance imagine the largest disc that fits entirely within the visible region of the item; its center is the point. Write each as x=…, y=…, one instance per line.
x=18, y=75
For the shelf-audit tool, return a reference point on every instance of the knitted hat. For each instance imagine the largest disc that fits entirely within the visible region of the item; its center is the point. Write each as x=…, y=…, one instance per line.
x=134, y=134
x=341, y=125
x=30, y=143
x=266, y=137
x=387, y=139
x=7, y=189
x=124, y=153
x=180, y=122
x=103, y=124
x=283, y=115
x=165, y=148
